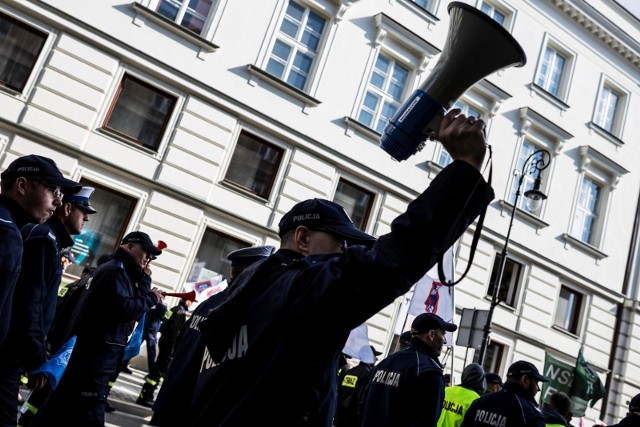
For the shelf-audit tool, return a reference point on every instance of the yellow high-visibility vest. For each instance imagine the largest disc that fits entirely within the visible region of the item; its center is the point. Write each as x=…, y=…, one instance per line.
x=457, y=400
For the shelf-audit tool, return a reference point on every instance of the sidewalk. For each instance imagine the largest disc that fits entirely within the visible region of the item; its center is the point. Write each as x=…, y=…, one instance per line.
x=123, y=396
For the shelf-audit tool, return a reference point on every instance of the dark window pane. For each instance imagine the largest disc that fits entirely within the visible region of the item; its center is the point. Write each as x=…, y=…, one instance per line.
x=510, y=281
x=356, y=202
x=254, y=165
x=20, y=46
x=211, y=260
x=141, y=112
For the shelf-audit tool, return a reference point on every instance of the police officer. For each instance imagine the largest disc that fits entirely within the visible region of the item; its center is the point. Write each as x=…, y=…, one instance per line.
x=38, y=286
x=633, y=416
x=514, y=405
x=176, y=318
x=557, y=411
x=191, y=356
x=120, y=292
x=34, y=304
x=458, y=398
x=494, y=382
x=407, y=388
x=30, y=192
x=351, y=386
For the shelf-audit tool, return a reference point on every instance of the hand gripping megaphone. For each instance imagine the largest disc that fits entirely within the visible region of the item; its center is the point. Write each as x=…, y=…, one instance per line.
x=476, y=46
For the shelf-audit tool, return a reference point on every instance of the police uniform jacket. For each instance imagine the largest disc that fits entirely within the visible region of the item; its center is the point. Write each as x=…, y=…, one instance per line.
x=36, y=294
x=511, y=406
x=457, y=400
x=631, y=420
x=12, y=218
x=289, y=311
x=406, y=389
x=191, y=356
x=154, y=318
x=113, y=304
x=171, y=327
x=351, y=384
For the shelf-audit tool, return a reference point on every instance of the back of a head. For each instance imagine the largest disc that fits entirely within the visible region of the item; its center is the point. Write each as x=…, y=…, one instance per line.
x=473, y=378
x=634, y=404
x=561, y=402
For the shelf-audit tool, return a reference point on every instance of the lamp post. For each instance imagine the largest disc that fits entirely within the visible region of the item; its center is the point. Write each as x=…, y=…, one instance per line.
x=535, y=163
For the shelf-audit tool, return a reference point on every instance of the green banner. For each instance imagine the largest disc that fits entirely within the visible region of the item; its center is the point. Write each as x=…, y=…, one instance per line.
x=584, y=388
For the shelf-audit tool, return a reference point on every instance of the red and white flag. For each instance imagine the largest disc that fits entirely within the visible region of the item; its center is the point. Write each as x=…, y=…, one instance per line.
x=430, y=296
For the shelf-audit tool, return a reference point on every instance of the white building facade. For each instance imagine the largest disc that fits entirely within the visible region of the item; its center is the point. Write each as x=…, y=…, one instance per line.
x=203, y=122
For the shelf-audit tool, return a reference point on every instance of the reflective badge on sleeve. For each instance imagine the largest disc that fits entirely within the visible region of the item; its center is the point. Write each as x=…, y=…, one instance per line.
x=349, y=381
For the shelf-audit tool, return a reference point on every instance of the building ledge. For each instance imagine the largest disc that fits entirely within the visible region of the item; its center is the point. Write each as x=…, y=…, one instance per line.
x=524, y=215
x=584, y=247
x=284, y=86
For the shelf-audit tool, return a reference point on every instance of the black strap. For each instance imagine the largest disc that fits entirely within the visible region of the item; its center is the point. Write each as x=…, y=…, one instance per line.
x=476, y=235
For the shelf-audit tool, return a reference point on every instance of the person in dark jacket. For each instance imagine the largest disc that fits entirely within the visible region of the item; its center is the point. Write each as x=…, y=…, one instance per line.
x=494, y=382
x=351, y=385
x=38, y=290
x=176, y=318
x=514, y=405
x=120, y=292
x=407, y=388
x=557, y=412
x=291, y=305
x=633, y=416
x=30, y=191
x=191, y=356
x=34, y=304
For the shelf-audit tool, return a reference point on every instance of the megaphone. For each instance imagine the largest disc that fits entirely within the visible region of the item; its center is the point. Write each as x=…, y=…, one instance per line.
x=476, y=46
x=189, y=296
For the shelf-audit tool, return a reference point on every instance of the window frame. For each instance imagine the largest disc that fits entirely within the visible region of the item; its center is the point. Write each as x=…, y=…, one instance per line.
x=606, y=173
x=404, y=47
x=36, y=68
x=111, y=101
x=620, y=114
x=277, y=174
x=503, y=8
x=576, y=313
x=564, y=85
x=367, y=216
x=515, y=285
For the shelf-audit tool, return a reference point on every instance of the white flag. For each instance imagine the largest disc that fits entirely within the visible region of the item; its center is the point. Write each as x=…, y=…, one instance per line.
x=358, y=345
x=430, y=296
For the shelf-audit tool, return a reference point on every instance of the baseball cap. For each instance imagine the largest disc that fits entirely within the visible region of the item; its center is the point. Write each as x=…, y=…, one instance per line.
x=144, y=240
x=493, y=378
x=634, y=404
x=522, y=367
x=81, y=199
x=35, y=166
x=375, y=352
x=324, y=215
x=247, y=256
x=427, y=321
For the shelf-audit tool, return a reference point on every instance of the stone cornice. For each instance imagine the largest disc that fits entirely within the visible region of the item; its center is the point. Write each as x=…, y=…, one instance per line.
x=602, y=28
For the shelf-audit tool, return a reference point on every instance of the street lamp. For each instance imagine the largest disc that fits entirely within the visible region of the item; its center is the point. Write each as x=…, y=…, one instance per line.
x=534, y=164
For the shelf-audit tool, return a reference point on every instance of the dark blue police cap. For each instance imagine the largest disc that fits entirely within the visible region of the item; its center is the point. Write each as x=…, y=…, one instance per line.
x=324, y=215
x=247, y=256
x=33, y=166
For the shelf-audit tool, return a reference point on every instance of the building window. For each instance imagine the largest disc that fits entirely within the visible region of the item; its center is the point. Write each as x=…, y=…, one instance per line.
x=552, y=72
x=425, y=4
x=104, y=232
x=190, y=14
x=510, y=283
x=296, y=46
x=494, y=13
x=254, y=165
x=211, y=262
x=585, y=218
x=356, y=201
x=444, y=158
x=568, y=310
x=385, y=93
x=140, y=112
x=610, y=109
x=20, y=47
x=494, y=356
